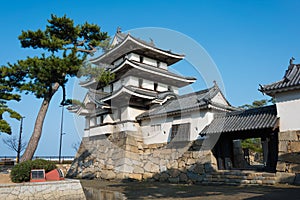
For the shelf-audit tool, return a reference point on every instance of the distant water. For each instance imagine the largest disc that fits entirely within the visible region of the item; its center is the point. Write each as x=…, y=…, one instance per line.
x=99, y=194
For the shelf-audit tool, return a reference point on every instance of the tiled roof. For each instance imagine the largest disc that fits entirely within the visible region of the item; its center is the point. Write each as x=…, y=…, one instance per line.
x=245, y=120
x=160, y=70
x=121, y=36
x=139, y=91
x=130, y=67
x=290, y=81
x=200, y=99
x=132, y=44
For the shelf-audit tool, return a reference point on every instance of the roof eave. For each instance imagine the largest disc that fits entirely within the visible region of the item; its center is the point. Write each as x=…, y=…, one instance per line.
x=273, y=92
x=130, y=38
x=128, y=91
x=175, y=112
x=185, y=80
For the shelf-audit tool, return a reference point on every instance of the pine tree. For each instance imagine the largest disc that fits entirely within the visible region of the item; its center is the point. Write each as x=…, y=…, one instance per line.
x=66, y=48
x=6, y=94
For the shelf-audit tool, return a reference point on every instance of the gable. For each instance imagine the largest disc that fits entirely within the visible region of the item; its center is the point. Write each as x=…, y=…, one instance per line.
x=220, y=99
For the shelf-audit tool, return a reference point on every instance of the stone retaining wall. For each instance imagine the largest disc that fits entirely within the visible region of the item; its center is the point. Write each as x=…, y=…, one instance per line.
x=67, y=189
x=122, y=156
x=289, y=152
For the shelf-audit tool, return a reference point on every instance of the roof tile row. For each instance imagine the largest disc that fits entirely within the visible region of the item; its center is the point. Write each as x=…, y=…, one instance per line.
x=291, y=80
x=252, y=119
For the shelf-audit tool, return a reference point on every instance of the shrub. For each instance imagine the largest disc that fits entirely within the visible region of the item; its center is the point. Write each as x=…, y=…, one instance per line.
x=43, y=164
x=21, y=171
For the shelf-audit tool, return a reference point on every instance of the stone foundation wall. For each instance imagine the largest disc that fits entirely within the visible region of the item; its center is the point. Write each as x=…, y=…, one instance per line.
x=122, y=156
x=67, y=189
x=289, y=152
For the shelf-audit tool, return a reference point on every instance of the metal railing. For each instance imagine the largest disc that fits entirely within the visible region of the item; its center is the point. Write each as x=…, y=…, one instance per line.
x=50, y=158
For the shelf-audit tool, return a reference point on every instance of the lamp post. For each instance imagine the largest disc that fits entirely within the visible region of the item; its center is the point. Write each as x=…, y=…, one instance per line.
x=20, y=141
x=61, y=132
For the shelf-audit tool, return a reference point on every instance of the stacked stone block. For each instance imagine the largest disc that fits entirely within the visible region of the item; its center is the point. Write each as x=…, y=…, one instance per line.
x=288, y=165
x=289, y=152
x=64, y=190
x=123, y=156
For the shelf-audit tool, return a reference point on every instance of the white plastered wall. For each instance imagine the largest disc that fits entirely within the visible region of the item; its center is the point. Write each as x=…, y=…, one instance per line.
x=117, y=85
x=288, y=109
x=150, y=61
x=197, y=119
x=148, y=84
x=162, y=87
x=134, y=57
x=131, y=80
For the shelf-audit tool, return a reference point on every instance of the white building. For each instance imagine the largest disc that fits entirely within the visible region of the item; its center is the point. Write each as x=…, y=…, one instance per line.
x=131, y=123
x=286, y=93
x=143, y=98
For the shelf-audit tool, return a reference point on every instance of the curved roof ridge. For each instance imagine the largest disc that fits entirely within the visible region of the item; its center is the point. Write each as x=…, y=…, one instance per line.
x=142, y=44
x=207, y=90
x=263, y=109
x=290, y=81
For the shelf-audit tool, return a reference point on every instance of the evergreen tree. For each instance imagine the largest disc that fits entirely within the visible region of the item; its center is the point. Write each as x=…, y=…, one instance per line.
x=6, y=95
x=258, y=103
x=66, y=47
x=254, y=144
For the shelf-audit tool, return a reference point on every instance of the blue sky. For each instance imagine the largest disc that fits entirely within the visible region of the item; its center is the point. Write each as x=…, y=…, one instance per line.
x=250, y=42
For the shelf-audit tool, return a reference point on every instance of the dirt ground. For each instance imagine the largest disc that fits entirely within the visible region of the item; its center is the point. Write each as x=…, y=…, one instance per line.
x=4, y=178
x=155, y=190
x=167, y=191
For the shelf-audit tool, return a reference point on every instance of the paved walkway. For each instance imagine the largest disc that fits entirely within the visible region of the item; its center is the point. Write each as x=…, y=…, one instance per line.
x=136, y=190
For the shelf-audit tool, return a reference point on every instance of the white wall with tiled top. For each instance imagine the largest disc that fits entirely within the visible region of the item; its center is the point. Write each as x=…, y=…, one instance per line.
x=288, y=110
x=197, y=119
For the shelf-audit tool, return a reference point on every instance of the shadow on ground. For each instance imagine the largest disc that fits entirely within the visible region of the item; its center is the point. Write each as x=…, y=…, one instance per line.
x=154, y=190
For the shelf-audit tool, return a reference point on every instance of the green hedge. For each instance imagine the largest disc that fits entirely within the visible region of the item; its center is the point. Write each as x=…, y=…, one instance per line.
x=21, y=172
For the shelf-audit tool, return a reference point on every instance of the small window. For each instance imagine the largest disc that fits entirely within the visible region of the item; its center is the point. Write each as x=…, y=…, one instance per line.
x=157, y=64
x=141, y=59
x=100, y=119
x=120, y=114
x=174, y=130
x=87, y=123
x=93, y=121
x=180, y=132
x=156, y=127
x=155, y=86
x=140, y=83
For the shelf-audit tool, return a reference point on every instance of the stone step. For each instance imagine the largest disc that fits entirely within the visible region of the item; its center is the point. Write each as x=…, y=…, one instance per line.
x=240, y=177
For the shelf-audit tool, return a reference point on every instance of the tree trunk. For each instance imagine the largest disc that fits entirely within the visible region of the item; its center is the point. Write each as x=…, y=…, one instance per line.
x=38, y=126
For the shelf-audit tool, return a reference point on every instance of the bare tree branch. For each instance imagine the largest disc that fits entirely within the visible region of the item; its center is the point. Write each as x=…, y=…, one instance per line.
x=12, y=143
